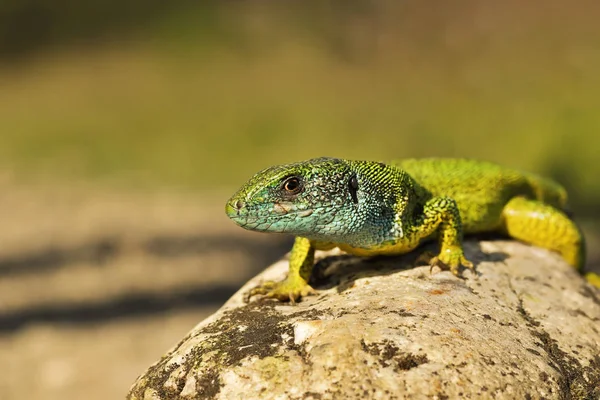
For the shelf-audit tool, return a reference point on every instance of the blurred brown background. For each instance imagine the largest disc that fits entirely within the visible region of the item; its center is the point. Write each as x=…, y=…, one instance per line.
x=124, y=127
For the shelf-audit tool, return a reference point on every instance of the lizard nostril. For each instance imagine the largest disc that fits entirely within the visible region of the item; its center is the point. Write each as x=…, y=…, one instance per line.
x=239, y=204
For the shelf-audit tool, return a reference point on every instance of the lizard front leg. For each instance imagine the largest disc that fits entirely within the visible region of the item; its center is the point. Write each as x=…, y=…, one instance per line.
x=441, y=218
x=295, y=286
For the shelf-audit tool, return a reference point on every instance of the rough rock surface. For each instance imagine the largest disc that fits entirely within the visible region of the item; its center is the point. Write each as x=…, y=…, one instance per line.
x=527, y=327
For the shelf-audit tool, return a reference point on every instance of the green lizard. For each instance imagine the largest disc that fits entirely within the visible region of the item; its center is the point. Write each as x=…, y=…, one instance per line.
x=371, y=208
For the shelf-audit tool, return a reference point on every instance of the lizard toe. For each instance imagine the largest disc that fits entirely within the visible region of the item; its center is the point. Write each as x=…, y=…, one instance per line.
x=436, y=262
x=425, y=258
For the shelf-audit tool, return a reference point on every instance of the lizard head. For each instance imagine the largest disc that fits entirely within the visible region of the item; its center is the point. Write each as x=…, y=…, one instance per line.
x=325, y=199
x=309, y=198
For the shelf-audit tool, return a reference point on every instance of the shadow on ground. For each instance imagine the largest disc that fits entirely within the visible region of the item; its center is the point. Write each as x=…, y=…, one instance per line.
x=126, y=306
x=257, y=253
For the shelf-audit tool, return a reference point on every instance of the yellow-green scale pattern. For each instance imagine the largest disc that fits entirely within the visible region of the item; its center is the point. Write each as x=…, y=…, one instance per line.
x=371, y=208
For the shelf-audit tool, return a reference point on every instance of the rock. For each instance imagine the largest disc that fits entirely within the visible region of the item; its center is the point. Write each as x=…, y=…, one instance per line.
x=528, y=327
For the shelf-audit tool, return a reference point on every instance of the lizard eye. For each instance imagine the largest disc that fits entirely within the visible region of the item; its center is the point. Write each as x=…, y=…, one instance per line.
x=292, y=185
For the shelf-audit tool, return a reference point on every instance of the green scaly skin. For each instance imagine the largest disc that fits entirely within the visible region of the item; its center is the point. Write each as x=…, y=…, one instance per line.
x=370, y=208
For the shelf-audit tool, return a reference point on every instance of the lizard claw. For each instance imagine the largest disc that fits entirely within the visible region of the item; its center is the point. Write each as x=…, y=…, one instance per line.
x=424, y=258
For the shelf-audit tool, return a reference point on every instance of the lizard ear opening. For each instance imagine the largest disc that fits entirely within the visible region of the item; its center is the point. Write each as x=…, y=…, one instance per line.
x=353, y=187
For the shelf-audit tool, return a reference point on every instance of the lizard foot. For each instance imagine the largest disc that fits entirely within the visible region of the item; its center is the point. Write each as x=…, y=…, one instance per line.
x=450, y=258
x=287, y=290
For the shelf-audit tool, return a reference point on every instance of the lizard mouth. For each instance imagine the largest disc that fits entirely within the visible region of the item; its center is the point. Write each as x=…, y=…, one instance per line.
x=276, y=220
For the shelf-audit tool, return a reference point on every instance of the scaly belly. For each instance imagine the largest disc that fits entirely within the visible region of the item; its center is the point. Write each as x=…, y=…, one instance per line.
x=385, y=249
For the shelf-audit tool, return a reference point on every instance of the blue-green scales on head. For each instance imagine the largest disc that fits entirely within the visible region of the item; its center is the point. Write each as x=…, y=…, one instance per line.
x=372, y=208
x=324, y=199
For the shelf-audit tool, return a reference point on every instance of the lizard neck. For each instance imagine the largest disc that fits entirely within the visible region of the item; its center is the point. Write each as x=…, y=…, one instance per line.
x=385, y=202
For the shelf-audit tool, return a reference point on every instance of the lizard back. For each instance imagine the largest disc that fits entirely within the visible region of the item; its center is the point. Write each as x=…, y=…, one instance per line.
x=481, y=189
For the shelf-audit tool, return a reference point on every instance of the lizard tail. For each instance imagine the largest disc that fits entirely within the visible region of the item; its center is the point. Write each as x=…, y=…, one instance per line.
x=552, y=193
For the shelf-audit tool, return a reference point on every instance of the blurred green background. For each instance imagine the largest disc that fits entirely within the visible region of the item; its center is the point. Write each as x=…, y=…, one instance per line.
x=182, y=95
x=125, y=126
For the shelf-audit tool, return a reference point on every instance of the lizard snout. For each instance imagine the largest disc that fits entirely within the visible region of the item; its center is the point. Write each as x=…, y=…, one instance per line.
x=233, y=207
